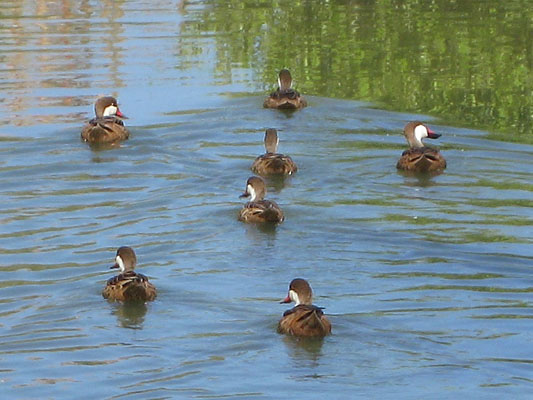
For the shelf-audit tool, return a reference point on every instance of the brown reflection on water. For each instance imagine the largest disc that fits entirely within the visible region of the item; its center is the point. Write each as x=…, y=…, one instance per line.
x=305, y=352
x=130, y=315
x=419, y=179
x=51, y=45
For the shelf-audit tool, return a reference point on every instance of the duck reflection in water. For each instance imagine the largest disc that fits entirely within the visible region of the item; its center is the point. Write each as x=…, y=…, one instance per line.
x=276, y=183
x=262, y=234
x=420, y=179
x=131, y=314
x=304, y=350
x=305, y=325
x=130, y=290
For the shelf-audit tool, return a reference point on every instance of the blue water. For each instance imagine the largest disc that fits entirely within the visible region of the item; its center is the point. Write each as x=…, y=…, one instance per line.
x=426, y=281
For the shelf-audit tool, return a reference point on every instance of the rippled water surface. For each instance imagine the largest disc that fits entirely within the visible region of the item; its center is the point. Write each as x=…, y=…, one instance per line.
x=427, y=280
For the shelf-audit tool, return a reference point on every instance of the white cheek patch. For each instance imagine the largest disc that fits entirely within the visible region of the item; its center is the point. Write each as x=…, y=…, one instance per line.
x=279, y=82
x=251, y=190
x=294, y=297
x=110, y=110
x=120, y=263
x=420, y=133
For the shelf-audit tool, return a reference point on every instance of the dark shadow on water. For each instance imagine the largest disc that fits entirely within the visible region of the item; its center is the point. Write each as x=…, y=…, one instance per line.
x=99, y=150
x=103, y=146
x=287, y=112
x=264, y=235
x=131, y=314
x=421, y=179
x=276, y=183
x=260, y=229
x=304, y=349
x=98, y=160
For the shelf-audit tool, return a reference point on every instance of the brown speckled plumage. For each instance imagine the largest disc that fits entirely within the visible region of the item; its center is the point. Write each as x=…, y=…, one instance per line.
x=422, y=159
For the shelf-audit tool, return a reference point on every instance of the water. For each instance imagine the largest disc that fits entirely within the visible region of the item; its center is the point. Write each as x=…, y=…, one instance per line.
x=426, y=280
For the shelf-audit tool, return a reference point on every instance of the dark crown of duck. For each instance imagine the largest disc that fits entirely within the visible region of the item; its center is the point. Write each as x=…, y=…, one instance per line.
x=255, y=189
x=284, y=80
x=107, y=106
x=415, y=131
x=300, y=292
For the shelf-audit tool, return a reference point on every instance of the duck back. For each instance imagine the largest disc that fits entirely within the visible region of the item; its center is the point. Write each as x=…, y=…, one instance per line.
x=422, y=159
x=305, y=320
x=285, y=99
x=274, y=164
x=261, y=211
x=129, y=286
x=104, y=130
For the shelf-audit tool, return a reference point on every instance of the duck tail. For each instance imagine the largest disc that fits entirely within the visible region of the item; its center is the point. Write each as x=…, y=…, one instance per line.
x=99, y=134
x=273, y=215
x=135, y=292
x=312, y=320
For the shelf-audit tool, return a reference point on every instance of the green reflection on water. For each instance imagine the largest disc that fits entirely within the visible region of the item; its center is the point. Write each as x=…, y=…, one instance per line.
x=450, y=276
x=487, y=220
x=468, y=62
x=506, y=185
x=490, y=289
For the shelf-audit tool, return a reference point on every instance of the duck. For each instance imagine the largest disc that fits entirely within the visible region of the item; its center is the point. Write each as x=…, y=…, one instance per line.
x=273, y=163
x=258, y=209
x=128, y=285
x=285, y=97
x=107, y=126
x=304, y=319
x=418, y=157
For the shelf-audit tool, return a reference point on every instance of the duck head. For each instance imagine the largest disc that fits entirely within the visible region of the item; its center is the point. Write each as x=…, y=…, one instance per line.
x=415, y=131
x=107, y=107
x=255, y=189
x=125, y=259
x=300, y=292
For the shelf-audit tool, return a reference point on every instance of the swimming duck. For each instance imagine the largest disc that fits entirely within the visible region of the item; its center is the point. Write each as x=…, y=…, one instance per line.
x=272, y=163
x=418, y=157
x=285, y=97
x=128, y=285
x=258, y=209
x=108, y=126
x=304, y=319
